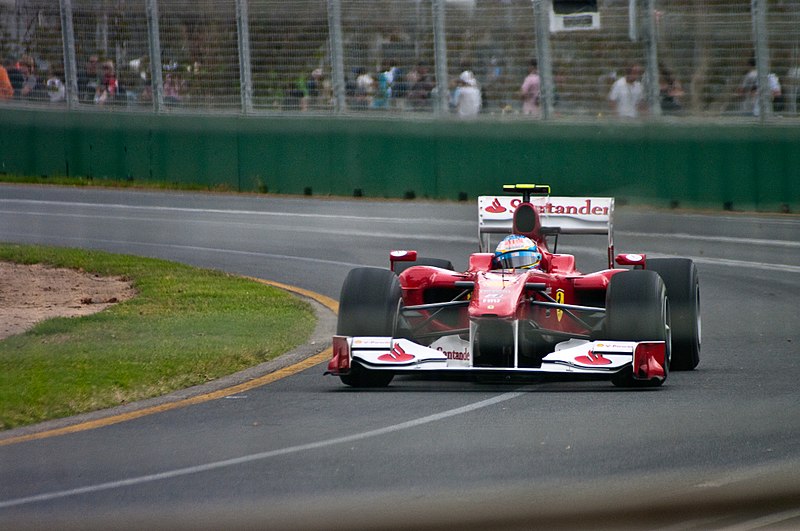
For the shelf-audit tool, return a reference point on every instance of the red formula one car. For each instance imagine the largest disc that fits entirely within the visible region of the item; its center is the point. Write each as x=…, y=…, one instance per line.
x=537, y=316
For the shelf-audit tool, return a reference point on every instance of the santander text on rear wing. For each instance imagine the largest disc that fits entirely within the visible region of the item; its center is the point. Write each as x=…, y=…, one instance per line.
x=557, y=215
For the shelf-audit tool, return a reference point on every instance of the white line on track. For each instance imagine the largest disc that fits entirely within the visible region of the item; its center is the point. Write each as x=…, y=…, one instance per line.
x=259, y=456
x=784, y=268
x=718, y=239
x=427, y=221
x=193, y=248
x=272, y=226
x=107, y=206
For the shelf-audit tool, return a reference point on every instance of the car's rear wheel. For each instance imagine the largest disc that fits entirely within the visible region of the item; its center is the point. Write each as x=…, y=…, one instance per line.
x=637, y=309
x=683, y=290
x=368, y=306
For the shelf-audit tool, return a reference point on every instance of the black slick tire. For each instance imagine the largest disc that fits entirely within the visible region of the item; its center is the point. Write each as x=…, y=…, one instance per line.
x=637, y=309
x=683, y=290
x=368, y=306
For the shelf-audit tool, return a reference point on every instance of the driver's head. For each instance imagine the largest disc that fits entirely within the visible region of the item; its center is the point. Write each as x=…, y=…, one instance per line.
x=517, y=252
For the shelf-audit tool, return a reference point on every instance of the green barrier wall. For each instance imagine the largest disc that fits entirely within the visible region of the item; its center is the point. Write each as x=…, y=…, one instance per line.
x=718, y=166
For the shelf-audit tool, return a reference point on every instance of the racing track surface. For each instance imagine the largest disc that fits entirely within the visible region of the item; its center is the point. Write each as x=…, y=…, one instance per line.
x=715, y=448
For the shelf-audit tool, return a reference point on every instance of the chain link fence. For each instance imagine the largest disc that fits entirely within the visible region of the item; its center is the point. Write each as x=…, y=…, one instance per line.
x=680, y=59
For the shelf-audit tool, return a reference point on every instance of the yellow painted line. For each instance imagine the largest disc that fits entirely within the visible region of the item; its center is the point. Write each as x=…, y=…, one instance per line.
x=221, y=393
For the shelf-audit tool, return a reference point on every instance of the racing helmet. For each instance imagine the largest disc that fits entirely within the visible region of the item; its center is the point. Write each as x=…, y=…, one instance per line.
x=517, y=252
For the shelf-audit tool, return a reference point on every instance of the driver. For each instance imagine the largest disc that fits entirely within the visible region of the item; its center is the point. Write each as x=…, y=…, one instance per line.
x=518, y=252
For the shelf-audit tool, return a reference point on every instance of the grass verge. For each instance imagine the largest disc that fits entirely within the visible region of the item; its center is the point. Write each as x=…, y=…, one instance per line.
x=186, y=326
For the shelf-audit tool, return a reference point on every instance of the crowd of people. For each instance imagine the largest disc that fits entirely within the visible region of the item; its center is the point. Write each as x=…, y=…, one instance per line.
x=98, y=83
x=20, y=80
x=388, y=88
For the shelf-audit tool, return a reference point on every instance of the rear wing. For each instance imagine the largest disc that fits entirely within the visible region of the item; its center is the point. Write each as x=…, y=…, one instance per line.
x=557, y=215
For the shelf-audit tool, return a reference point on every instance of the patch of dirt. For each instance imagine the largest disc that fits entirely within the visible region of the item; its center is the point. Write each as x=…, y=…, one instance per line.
x=33, y=293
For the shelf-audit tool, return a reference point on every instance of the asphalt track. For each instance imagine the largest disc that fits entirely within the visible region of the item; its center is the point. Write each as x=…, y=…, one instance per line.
x=716, y=448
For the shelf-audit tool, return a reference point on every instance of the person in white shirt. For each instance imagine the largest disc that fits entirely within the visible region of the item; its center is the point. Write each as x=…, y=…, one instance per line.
x=627, y=94
x=467, y=95
x=748, y=90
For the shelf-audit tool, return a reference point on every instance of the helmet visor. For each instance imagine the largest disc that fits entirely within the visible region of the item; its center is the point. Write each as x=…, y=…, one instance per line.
x=519, y=259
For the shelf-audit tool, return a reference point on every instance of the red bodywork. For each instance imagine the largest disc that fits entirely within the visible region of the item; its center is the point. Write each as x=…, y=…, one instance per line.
x=549, y=319
x=503, y=294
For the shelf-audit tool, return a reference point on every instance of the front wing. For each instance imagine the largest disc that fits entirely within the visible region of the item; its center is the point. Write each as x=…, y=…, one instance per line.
x=646, y=359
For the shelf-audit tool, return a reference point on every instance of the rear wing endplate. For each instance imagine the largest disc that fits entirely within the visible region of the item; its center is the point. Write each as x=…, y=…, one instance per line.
x=557, y=215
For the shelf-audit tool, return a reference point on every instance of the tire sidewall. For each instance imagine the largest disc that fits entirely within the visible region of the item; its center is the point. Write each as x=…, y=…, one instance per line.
x=683, y=290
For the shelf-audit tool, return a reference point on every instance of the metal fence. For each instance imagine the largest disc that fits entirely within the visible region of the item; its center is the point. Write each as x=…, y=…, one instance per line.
x=699, y=59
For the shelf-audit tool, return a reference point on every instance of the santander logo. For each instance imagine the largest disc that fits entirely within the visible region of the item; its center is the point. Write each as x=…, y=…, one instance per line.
x=496, y=207
x=397, y=355
x=593, y=359
x=555, y=206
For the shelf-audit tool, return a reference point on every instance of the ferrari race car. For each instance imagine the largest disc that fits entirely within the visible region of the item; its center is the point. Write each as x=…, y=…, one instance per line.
x=629, y=325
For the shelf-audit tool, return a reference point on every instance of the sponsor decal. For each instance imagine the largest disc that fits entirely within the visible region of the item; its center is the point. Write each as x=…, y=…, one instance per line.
x=495, y=207
x=372, y=342
x=461, y=355
x=615, y=347
x=593, y=359
x=397, y=355
x=455, y=349
x=560, y=300
x=584, y=208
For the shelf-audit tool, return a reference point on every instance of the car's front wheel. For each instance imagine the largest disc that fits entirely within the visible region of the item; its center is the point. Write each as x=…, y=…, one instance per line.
x=368, y=306
x=683, y=290
x=637, y=309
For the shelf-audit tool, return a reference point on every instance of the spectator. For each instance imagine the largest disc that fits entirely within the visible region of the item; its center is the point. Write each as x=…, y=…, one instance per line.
x=6, y=90
x=467, y=95
x=365, y=88
x=530, y=92
x=792, y=92
x=174, y=88
x=145, y=96
x=748, y=90
x=31, y=88
x=108, y=88
x=627, y=95
x=383, y=92
x=55, y=87
x=15, y=77
x=318, y=89
x=493, y=91
x=670, y=91
x=293, y=96
x=88, y=80
x=421, y=85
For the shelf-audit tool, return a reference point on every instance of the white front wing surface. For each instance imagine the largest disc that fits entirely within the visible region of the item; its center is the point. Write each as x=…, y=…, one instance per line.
x=452, y=353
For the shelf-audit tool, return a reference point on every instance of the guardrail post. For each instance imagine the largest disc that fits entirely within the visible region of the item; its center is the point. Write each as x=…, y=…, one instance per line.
x=544, y=57
x=759, y=14
x=441, y=103
x=245, y=69
x=154, y=40
x=651, y=67
x=337, y=54
x=70, y=64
